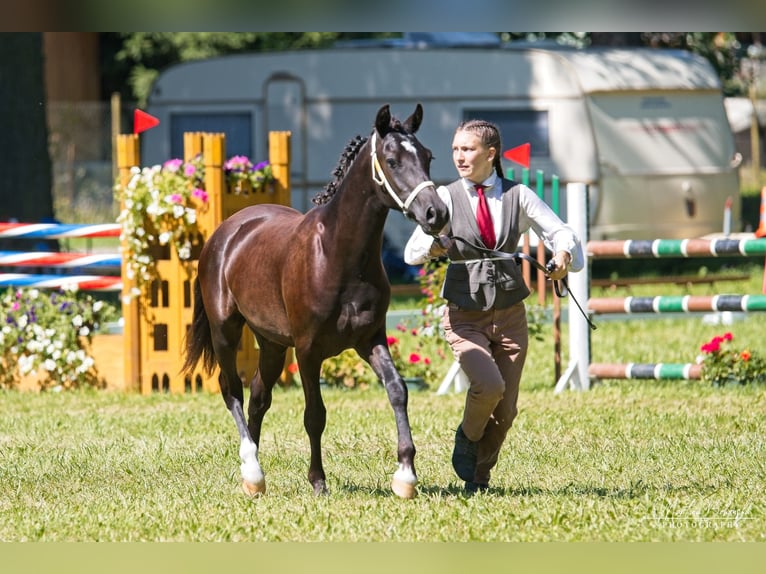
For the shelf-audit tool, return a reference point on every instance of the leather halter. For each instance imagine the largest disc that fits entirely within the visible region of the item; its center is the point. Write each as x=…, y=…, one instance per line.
x=380, y=178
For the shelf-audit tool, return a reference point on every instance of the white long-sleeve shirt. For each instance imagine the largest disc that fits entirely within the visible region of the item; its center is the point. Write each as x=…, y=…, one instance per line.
x=535, y=214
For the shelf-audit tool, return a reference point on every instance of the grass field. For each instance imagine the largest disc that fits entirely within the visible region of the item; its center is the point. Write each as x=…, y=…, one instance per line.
x=626, y=461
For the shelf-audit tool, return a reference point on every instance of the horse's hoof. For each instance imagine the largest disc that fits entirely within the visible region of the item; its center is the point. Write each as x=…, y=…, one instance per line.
x=253, y=490
x=403, y=489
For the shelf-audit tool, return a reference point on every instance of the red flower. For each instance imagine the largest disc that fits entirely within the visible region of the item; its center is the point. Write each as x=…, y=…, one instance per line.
x=745, y=355
x=414, y=358
x=292, y=368
x=728, y=336
x=391, y=341
x=711, y=347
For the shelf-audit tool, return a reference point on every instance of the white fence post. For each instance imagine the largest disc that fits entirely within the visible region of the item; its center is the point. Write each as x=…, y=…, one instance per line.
x=576, y=374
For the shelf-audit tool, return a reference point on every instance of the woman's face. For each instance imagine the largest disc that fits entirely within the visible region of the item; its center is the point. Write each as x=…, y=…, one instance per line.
x=472, y=160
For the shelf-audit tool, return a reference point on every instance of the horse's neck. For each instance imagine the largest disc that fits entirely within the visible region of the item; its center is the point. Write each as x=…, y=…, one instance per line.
x=355, y=216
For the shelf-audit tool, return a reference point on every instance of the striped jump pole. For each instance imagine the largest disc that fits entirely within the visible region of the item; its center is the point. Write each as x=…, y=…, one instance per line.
x=58, y=231
x=657, y=371
x=81, y=282
x=677, y=304
x=59, y=260
x=675, y=248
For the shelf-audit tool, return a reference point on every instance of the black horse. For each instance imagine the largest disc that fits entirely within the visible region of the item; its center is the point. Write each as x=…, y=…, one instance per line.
x=314, y=282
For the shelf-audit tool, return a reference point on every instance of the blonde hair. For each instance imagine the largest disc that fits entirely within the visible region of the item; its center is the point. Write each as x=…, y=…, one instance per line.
x=489, y=134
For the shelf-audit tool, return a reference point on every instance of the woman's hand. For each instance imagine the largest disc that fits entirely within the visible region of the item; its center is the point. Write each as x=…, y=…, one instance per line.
x=558, y=265
x=440, y=246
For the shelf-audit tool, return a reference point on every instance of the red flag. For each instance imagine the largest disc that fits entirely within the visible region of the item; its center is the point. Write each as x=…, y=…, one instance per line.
x=519, y=154
x=143, y=121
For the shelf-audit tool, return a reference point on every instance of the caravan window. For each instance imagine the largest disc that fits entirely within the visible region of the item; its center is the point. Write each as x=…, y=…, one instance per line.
x=236, y=126
x=518, y=127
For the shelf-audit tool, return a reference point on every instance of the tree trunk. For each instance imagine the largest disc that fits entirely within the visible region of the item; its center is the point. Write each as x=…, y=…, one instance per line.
x=25, y=165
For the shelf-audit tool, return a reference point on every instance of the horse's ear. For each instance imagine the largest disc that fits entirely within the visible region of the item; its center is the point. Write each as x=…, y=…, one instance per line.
x=383, y=120
x=412, y=123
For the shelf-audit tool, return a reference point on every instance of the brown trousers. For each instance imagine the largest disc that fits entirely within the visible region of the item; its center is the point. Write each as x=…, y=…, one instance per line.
x=491, y=347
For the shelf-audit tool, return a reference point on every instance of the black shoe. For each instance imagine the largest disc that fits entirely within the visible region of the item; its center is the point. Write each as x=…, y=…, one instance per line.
x=474, y=487
x=464, y=455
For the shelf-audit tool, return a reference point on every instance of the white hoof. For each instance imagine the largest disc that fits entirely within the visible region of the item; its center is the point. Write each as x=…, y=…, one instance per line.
x=253, y=490
x=403, y=489
x=403, y=483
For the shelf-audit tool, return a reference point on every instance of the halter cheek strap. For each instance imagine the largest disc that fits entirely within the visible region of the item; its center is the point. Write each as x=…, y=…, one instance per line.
x=380, y=178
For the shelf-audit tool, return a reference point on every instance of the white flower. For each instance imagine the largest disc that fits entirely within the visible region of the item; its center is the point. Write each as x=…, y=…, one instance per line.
x=26, y=364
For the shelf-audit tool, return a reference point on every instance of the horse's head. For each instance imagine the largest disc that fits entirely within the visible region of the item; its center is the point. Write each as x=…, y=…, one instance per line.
x=401, y=165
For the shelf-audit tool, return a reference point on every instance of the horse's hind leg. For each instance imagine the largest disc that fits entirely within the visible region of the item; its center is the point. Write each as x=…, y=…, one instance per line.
x=225, y=342
x=271, y=363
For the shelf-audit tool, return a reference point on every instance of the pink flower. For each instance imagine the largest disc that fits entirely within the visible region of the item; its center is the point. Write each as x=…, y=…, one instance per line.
x=200, y=194
x=172, y=165
x=414, y=358
x=189, y=170
x=727, y=336
x=176, y=198
x=391, y=341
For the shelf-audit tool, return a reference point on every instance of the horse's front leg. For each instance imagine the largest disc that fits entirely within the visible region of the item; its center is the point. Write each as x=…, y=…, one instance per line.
x=379, y=357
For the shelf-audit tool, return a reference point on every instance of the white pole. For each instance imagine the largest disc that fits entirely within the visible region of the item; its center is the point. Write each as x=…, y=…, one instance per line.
x=576, y=375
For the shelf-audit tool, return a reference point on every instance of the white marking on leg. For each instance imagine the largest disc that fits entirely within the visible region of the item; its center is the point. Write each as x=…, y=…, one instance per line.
x=405, y=475
x=250, y=468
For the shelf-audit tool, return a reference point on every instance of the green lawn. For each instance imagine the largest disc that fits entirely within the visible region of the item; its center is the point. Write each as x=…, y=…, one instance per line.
x=623, y=462
x=626, y=461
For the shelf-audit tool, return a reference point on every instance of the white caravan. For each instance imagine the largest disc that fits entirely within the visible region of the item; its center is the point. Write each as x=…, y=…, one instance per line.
x=646, y=129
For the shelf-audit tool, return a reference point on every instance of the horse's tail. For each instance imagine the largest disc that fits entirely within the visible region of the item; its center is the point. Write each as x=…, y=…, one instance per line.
x=199, y=343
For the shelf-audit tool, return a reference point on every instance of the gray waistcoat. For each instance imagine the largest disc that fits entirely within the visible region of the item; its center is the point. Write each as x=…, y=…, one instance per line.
x=472, y=281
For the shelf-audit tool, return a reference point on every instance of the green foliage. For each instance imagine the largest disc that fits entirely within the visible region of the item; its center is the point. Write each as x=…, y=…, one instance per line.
x=47, y=335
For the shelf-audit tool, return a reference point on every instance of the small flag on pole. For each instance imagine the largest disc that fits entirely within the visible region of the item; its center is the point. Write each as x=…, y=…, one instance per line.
x=518, y=154
x=143, y=121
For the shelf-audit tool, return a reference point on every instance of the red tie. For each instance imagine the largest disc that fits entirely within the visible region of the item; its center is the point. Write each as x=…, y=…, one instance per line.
x=484, y=219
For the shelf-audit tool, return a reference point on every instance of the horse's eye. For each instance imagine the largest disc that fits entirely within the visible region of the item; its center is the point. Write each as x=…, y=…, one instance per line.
x=391, y=163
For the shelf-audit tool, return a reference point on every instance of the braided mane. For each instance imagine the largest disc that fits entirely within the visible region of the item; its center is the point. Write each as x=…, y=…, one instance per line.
x=347, y=157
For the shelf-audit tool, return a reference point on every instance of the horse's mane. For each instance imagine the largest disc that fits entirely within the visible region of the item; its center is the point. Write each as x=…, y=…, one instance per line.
x=344, y=163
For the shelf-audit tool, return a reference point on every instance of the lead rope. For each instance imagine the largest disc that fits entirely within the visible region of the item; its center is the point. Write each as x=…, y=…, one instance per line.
x=545, y=269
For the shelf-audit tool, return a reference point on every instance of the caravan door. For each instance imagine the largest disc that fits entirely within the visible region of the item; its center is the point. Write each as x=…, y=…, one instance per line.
x=284, y=97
